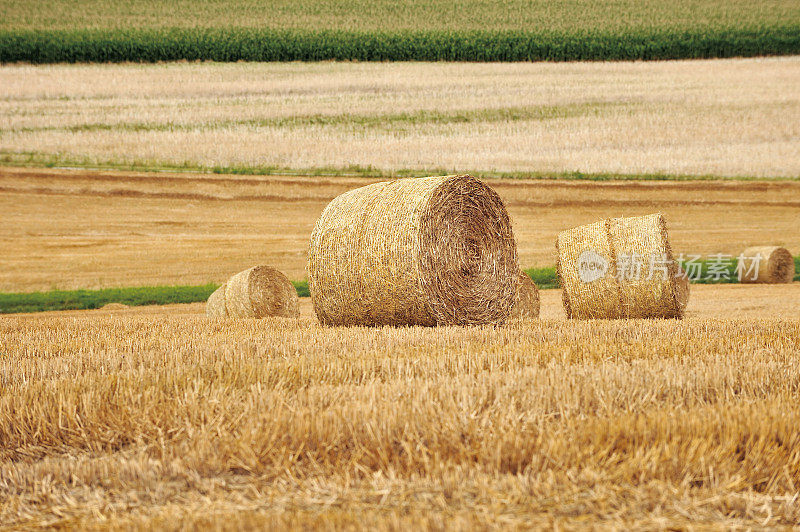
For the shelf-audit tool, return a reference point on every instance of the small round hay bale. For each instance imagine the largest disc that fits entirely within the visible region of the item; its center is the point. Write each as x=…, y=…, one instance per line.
x=426, y=251
x=605, y=270
x=767, y=264
x=114, y=306
x=260, y=292
x=215, y=306
x=526, y=304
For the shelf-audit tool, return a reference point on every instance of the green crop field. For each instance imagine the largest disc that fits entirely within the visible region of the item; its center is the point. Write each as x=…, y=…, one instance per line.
x=474, y=30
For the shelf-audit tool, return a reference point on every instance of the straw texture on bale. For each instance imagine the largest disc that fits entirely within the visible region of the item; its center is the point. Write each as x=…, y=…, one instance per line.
x=425, y=251
x=260, y=292
x=526, y=304
x=775, y=265
x=215, y=306
x=605, y=270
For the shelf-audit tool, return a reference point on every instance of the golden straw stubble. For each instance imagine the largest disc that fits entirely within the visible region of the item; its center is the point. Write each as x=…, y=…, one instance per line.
x=620, y=268
x=767, y=264
x=424, y=251
x=260, y=292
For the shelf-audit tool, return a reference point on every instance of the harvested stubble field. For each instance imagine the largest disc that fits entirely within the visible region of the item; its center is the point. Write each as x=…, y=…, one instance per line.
x=723, y=118
x=73, y=229
x=125, y=420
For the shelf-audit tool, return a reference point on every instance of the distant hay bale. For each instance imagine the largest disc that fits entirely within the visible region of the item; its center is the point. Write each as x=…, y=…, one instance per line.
x=526, y=304
x=114, y=306
x=260, y=292
x=604, y=270
x=426, y=251
x=767, y=264
x=215, y=306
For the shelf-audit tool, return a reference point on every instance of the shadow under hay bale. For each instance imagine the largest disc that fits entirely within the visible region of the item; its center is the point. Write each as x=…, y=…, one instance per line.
x=620, y=268
x=260, y=292
x=215, y=306
x=526, y=304
x=767, y=265
x=425, y=251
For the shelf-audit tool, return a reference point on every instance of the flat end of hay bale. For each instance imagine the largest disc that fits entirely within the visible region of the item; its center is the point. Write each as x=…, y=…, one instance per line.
x=467, y=254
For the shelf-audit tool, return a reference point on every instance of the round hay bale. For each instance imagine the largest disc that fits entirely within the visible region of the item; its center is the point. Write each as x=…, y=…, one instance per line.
x=605, y=270
x=215, y=306
x=425, y=251
x=260, y=292
x=526, y=304
x=767, y=264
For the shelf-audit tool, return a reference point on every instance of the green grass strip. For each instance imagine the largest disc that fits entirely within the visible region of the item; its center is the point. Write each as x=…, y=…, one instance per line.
x=249, y=44
x=132, y=296
x=90, y=299
x=33, y=159
x=545, y=279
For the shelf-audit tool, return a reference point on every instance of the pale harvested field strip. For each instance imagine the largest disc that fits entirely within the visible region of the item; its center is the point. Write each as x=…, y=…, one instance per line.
x=722, y=117
x=75, y=123
x=142, y=420
x=74, y=229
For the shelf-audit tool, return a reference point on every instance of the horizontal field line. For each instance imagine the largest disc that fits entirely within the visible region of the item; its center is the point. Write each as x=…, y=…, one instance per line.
x=370, y=121
x=33, y=159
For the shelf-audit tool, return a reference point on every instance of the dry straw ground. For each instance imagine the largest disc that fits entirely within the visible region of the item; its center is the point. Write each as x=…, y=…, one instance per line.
x=76, y=229
x=721, y=117
x=127, y=420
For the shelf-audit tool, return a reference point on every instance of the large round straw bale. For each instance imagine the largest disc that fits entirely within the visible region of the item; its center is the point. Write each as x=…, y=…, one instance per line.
x=426, y=251
x=260, y=292
x=619, y=268
x=215, y=306
x=526, y=304
x=767, y=264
